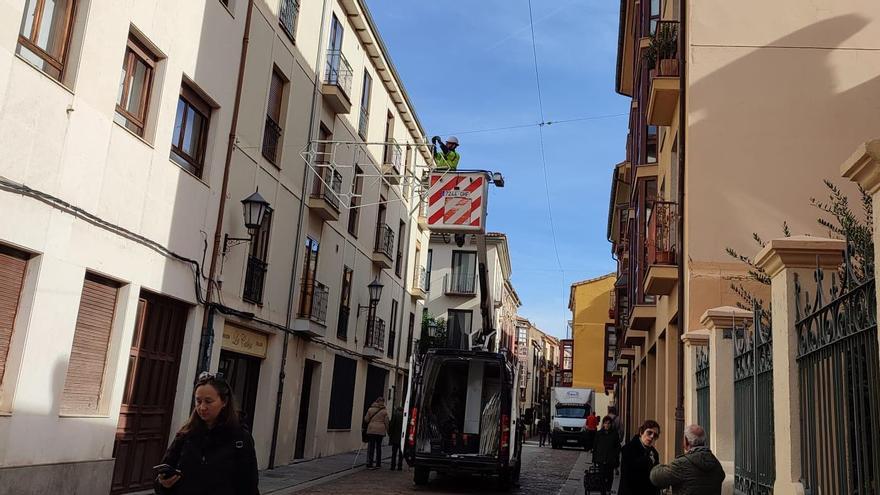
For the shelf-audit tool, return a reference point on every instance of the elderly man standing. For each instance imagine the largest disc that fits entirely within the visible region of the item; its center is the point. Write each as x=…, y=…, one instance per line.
x=696, y=472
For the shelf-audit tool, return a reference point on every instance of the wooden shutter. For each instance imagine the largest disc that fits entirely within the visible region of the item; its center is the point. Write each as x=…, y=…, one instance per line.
x=276, y=90
x=88, y=355
x=12, y=267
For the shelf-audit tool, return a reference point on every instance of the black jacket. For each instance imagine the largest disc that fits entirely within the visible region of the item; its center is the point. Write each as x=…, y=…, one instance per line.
x=635, y=468
x=220, y=461
x=606, y=447
x=395, y=427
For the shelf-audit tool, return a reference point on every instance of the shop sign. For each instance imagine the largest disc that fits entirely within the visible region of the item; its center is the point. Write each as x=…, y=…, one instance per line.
x=244, y=341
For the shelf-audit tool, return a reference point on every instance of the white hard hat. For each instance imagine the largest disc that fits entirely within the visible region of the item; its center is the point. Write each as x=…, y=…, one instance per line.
x=452, y=139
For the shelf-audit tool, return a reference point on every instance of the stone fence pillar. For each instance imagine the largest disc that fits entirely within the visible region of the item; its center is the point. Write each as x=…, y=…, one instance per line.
x=863, y=168
x=692, y=340
x=784, y=260
x=720, y=323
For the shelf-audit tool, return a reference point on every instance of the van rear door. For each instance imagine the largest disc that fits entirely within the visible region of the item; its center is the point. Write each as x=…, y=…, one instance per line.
x=410, y=413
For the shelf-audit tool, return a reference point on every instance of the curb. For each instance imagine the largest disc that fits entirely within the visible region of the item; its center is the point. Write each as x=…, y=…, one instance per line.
x=320, y=481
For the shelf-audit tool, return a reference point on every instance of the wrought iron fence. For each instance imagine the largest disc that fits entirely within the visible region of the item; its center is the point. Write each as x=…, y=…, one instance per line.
x=338, y=71
x=253, y=280
x=702, y=380
x=271, y=139
x=375, y=334
x=288, y=15
x=754, y=438
x=327, y=185
x=385, y=240
x=838, y=373
x=662, y=237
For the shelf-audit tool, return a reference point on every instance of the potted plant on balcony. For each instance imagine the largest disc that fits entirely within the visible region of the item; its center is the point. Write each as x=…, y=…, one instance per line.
x=665, y=43
x=649, y=58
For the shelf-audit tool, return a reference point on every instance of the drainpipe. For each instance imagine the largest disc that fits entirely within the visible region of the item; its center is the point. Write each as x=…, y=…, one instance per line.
x=682, y=129
x=207, y=340
x=299, y=224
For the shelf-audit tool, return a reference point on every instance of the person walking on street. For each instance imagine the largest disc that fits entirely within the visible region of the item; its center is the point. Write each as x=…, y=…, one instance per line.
x=212, y=453
x=638, y=457
x=445, y=157
x=395, y=433
x=377, y=421
x=616, y=423
x=696, y=472
x=592, y=426
x=606, y=451
x=543, y=430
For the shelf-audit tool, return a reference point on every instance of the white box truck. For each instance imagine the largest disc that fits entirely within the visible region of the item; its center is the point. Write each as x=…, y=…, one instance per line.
x=569, y=408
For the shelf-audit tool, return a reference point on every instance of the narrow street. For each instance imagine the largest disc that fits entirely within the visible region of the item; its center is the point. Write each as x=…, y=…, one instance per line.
x=545, y=471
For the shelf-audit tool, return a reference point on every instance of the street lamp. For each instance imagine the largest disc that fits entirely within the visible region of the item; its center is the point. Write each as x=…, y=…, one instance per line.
x=433, y=328
x=375, y=289
x=254, y=209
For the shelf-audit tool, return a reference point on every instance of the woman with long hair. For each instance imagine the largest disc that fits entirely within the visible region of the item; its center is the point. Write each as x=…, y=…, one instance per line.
x=212, y=453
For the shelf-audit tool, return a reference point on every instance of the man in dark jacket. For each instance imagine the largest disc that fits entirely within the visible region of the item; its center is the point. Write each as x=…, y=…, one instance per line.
x=395, y=427
x=697, y=471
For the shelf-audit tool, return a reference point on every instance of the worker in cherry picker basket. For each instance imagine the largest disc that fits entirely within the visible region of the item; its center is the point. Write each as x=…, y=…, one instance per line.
x=445, y=157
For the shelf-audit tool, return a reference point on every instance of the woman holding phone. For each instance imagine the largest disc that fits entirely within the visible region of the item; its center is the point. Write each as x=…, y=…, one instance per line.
x=212, y=453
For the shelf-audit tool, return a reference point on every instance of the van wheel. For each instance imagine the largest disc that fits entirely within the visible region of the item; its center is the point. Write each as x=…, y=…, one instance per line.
x=517, y=470
x=421, y=476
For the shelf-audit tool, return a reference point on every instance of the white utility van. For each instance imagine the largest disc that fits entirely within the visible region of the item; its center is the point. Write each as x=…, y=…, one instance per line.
x=462, y=416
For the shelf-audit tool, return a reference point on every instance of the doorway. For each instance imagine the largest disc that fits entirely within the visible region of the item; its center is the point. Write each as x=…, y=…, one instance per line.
x=242, y=372
x=148, y=398
x=305, y=401
x=375, y=387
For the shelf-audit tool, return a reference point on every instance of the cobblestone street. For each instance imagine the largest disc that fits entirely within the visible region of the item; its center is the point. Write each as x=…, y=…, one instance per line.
x=545, y=471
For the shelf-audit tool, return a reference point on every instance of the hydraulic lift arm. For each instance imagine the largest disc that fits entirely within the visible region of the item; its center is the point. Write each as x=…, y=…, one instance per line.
x=484, y=337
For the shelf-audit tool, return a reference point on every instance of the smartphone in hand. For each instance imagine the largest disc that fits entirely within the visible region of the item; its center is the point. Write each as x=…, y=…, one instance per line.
x=166, y=471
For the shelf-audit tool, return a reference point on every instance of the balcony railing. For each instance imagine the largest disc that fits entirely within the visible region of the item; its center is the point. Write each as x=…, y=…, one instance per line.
x=271, y=139
x=362, y=123
x=328, y=185
x=342, y=323
x=420, y=279
x=662, y=240
x=385, y=240
x=459, y=284
x=314, y=302
x=288, y=15
x=338, y=71
x=254, y=279
x=393, y=154
x=375, y=334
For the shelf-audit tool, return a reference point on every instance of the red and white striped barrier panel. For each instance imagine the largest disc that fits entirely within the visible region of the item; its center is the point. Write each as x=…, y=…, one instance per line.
x=457, y=202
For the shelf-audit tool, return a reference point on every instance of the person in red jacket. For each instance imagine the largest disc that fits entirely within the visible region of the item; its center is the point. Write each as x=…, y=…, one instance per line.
x=592, y=426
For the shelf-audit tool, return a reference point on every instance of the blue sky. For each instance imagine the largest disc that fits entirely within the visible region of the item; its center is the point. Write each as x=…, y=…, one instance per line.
x=468, y=65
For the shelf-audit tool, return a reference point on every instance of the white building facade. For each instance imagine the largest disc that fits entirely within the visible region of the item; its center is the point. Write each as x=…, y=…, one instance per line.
x=121, y=143
x=454, y=288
